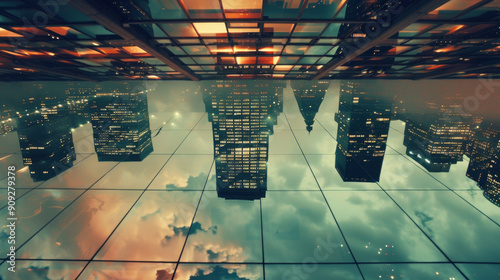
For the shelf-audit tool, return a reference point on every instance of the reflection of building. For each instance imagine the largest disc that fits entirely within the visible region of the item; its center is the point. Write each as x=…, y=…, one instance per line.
x=77, y=98
x=484, y=147
x=436, y=139
x=242, y=116
x=46, y=142
x=492, y=185
x=309, y=96
x=363, y=120
x=7, y=126
x=475, y=127
x=484, y=164
x=120, y=123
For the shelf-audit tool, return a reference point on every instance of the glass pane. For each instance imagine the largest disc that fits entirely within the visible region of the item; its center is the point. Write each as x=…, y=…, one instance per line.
x=275, y=9
x=308, y=29
x=318, y=50
x=308, y=60
x=179, y=29
x=414, y=29
x=166, y=9
x=203, y=8
x=211, y=29
x=291, y=49
x=332, y=30
x=279, y=29
x=451, y=9
x=234, y=9
x=319, y=9
x=196, y=50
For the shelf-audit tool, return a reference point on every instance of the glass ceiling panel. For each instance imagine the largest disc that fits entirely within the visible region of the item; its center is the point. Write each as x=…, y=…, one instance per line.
x=166, y=9
x=203, y=8
x=278, y=9
x=279, y=29
x=332, y=30
x=321, y=9
x=179, y=29
x=308, y=29
x=451, y=9
x=242, y=9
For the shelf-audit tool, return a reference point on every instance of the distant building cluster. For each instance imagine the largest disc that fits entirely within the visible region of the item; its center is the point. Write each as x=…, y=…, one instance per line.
x=436, y=138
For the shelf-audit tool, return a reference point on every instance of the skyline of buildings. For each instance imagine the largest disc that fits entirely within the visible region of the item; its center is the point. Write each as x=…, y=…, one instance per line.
x=449, y=133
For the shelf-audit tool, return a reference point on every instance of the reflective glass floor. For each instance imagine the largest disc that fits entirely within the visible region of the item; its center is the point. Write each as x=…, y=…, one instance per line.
x=161, y=218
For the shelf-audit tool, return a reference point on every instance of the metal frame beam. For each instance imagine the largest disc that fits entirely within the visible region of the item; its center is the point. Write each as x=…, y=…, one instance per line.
x=112, y=21
x=412, y=13
x=40, y=68
x=472, y=67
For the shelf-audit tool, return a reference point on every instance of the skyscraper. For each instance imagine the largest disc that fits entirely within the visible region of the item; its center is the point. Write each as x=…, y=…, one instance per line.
x=484, y=148
x=120, y=123
x=46, y=142
x=436, y=137
x=492, y=185
x=242, y=116
x=77, y=98
x=309, y=96
x=363, y=119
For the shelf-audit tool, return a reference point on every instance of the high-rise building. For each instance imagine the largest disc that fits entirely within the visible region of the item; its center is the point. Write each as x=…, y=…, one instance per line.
x=77, y=98
x=309, y=96
x=485, y=146
x=436, y=137
x=363, y=125
x=242, y=116
x=46, y=142
x=475, y=127
x=120, y=123
x=492, y=185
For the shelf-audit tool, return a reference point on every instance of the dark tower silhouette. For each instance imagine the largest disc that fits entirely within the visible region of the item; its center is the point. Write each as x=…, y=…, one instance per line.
x=242, y=115
x=309, y=96
x=363, y=119
x=46, y=142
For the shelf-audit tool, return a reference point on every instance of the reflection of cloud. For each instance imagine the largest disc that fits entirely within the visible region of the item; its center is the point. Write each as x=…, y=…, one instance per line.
x=42, y=270
x=191, y=182
x=195, y=227
x=232, y=232
x=155, y=230
x=163, y=274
